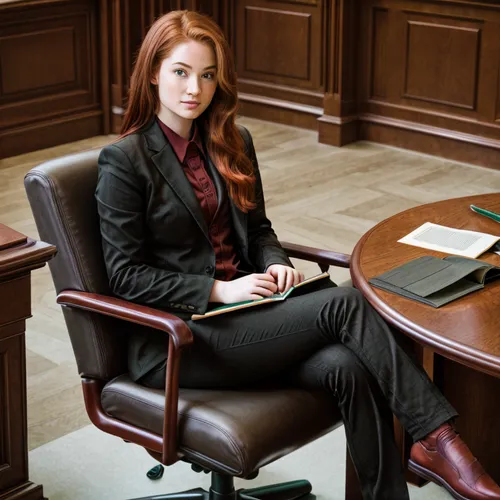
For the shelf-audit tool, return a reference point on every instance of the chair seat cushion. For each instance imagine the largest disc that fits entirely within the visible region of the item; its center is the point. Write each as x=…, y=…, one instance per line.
x=233, y=432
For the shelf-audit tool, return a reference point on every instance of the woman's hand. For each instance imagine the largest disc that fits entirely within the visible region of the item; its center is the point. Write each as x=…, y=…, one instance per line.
x=251, y=287
x=285, y=276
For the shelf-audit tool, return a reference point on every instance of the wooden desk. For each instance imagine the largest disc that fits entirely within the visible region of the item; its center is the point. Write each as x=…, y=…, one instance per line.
x=18, y=257
x=459, y=343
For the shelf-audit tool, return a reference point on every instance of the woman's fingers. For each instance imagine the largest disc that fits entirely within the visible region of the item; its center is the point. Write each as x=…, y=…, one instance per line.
x=289, y=279
x=262, y=292
x=265, y=283
x=265, y=277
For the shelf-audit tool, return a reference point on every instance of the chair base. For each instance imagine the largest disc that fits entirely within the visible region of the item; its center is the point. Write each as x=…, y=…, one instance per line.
x=223, y=489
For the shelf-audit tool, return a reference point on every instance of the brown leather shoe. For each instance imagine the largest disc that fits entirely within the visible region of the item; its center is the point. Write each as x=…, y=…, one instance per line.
x=444, y=458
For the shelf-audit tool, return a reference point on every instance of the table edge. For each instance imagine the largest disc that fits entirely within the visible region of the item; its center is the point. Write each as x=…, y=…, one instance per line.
x=465, y=355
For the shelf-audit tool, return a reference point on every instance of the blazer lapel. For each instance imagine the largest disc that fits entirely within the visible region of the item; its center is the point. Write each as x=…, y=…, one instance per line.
x=169, y=166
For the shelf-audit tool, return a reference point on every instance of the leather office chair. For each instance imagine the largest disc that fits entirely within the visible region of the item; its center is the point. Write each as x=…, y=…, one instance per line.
x=230, y=433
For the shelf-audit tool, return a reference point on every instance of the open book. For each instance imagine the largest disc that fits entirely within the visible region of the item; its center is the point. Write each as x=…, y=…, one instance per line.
x=236, y=306
x=436, y=281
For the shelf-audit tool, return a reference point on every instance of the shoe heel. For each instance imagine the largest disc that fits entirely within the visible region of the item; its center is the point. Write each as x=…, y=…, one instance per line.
x=420, y=471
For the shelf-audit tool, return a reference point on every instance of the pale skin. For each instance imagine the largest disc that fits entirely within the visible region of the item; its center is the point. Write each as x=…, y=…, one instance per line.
x=187, y=81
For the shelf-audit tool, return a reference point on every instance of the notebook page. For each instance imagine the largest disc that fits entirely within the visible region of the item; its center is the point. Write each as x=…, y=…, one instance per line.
x=450, y=240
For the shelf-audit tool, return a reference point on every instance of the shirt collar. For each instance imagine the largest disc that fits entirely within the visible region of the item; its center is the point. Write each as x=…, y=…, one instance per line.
x=178, y=143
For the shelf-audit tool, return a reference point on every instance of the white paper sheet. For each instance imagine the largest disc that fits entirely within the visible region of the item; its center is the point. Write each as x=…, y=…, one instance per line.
x=449, y=240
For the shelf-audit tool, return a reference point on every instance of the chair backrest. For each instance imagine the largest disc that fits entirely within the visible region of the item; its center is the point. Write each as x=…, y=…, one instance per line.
x=61, y=195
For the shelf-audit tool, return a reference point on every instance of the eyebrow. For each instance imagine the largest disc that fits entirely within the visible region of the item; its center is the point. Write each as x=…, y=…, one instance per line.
x=190, y=67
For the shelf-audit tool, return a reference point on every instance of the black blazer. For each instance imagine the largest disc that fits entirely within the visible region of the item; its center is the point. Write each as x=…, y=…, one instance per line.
x=155, y=239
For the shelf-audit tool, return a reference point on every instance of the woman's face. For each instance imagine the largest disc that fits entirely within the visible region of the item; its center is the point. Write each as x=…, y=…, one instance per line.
x=186, y=81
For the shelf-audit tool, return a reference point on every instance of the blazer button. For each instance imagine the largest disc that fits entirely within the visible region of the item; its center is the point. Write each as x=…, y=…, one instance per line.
x=209, y=269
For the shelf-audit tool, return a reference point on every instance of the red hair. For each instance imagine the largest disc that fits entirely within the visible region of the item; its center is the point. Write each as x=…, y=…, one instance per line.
x=225, y=144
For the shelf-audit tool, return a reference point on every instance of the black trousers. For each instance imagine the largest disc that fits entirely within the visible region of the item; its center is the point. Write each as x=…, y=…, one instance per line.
x=330, y=339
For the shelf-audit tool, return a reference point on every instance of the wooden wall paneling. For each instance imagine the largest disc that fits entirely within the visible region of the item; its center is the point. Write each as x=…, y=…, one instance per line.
x=49, y=74
x=130, y=21
x=338, y=124
x=224, y=14
x=497, y=109
x=489, y=67
x=278, y=53
x=118, y=91
x=430, y=77
x=105, y=58
x=441, y=64
x=381, y=54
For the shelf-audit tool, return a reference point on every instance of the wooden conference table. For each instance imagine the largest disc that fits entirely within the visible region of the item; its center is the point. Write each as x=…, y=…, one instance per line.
x=459, y=343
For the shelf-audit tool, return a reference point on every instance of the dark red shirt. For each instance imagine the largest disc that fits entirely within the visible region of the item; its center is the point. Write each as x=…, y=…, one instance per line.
x=191, y=155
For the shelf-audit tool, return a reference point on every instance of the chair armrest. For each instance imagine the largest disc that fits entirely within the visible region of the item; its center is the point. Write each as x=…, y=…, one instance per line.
x=179, y=334
x=324, y=258
x=128, y=311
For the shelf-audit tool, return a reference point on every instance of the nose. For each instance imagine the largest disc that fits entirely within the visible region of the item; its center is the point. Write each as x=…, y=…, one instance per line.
x=193, y=86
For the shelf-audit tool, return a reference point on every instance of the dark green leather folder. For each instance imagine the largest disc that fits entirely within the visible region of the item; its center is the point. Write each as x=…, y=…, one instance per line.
x=436, y=281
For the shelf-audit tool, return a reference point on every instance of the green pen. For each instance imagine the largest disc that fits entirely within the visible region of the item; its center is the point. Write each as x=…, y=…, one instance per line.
x=486, y=213
x=490, y=215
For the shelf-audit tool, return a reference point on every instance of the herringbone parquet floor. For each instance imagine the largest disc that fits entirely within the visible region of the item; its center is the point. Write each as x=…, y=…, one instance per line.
x=316, y=195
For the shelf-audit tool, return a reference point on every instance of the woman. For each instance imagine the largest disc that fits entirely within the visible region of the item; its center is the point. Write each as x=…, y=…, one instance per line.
x=184, y=227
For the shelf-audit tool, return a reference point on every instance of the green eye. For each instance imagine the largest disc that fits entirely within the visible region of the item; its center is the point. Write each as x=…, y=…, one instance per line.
x=179, y=72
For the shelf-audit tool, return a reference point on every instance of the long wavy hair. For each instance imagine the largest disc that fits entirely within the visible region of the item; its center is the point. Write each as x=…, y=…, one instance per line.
x=224, y=143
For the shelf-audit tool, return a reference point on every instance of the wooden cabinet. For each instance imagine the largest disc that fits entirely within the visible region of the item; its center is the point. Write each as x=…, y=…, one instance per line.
x=18, y=257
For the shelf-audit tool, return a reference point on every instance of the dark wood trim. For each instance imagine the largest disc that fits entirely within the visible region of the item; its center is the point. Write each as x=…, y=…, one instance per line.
x=35, y=136
x=92, y=395
x=279, y=103
x=423, y=142
x=338, y=131
x=432, y=118
x=104, y=67
x=412, y=126
x=278, y=114
x=311, y=254
x=248, y=87
x=338, y=125
x=24, y=257
x=26, y=491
